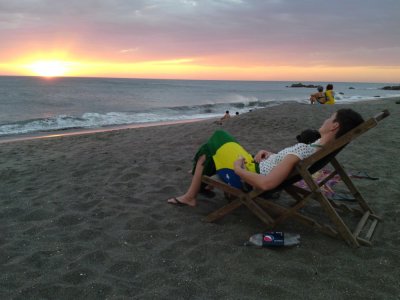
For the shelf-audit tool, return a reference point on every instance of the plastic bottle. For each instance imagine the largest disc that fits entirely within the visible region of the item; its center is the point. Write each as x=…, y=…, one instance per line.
x=273, y=239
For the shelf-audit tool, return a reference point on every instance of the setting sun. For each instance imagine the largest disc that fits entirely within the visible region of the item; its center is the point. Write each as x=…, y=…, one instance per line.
x=49, y=68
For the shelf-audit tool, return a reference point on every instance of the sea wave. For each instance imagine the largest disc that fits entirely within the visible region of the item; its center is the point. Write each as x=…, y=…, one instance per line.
x=87, y=120
x=90, y=120
x=98, y=120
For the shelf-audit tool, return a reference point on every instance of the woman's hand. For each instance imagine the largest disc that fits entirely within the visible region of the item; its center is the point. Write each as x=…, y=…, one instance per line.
x=262, y=154
x=239, y=164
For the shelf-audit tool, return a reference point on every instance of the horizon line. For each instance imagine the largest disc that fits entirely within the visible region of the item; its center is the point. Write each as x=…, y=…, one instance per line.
x=186, y=79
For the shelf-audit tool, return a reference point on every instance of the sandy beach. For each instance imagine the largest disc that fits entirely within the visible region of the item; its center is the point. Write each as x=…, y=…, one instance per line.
x=85, y=217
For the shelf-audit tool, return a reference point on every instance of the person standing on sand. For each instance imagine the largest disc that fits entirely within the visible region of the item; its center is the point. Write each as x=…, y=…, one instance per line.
x=330, y=94
x=318, y=96
x=226, y=116
x=222, y=155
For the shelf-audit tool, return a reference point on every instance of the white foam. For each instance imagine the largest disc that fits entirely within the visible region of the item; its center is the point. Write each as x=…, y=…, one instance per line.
x=92, y=120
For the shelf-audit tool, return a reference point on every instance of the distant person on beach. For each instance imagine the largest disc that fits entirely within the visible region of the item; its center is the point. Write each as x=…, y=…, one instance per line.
x=222, y=155
x=224, y=118
x=329, y=94
x=318, y=97
x=237, y=113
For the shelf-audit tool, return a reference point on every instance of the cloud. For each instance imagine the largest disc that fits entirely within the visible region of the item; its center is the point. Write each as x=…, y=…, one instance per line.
x=130, y=50
x=259, y=32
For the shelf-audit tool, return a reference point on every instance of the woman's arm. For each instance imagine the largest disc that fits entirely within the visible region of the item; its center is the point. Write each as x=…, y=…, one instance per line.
x=273, y=179
x=262, y=154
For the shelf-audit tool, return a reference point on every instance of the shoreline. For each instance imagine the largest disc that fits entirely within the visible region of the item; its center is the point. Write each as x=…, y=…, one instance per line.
x=85, y=131
x=72, y=132
x=86, y=217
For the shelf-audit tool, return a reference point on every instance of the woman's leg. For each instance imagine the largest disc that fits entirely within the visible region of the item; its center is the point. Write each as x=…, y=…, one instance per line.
x=189, y=198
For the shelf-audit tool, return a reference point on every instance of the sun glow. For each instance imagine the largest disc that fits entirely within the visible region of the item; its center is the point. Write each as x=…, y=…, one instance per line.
x=51, y=68
x=189, y=68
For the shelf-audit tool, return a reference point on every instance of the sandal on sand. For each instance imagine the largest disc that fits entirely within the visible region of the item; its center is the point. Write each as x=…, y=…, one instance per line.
x=342, y=197
x=362, y=175
x=176, y=202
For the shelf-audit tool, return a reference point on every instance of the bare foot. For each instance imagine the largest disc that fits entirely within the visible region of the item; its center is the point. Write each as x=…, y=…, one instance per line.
x=182, y=201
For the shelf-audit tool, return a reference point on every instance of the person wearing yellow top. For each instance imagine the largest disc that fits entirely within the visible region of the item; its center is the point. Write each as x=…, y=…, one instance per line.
x=329, y=94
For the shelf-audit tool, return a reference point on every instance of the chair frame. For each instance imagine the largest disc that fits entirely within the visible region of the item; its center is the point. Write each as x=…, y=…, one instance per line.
x=273, y=213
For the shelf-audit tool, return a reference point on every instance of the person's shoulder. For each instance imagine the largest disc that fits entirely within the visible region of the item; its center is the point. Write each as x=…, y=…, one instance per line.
x=302, y=147
x=295, y=147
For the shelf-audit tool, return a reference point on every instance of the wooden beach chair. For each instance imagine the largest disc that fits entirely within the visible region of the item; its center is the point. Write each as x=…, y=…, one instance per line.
x=272, y=212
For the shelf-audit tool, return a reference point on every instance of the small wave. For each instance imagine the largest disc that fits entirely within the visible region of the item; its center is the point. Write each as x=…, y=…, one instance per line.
x=357, y=98
x=95, y=120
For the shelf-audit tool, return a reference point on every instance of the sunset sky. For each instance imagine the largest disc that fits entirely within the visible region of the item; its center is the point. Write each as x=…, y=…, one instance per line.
x=343, y=40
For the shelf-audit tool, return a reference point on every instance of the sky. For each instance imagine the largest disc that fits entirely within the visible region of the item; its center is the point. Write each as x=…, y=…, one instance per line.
x=307, y=40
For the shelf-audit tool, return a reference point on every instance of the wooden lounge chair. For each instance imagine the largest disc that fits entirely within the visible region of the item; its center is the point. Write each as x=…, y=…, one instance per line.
x=273, y=212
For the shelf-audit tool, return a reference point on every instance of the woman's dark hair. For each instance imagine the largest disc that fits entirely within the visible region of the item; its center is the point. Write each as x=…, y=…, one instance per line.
x=329, y=87
x=308, y=136
x=347, y=119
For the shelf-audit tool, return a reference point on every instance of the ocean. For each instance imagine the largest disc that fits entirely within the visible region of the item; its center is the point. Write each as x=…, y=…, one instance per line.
x=35, y=105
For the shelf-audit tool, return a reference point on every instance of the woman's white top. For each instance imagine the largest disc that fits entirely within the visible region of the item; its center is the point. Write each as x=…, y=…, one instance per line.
x=301, y=150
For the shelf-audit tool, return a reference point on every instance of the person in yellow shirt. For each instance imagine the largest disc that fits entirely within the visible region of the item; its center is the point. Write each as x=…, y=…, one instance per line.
x=330, y=94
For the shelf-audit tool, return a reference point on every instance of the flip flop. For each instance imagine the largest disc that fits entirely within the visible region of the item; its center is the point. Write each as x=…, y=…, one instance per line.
x=177, y=202
x=363, y=175
x=342, y=197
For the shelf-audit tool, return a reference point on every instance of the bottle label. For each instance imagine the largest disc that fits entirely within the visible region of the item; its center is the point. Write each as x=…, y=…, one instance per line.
x=273, y=238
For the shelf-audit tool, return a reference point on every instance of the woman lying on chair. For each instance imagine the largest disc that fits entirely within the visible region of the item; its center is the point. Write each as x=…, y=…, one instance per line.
x=222, y=155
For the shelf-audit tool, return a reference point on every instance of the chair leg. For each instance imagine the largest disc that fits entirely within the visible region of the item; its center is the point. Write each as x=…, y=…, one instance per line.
x=223, y=211
x=300, y=202
x=352, y=188
x=342, y=228
x=280, y=210
x=257, y=210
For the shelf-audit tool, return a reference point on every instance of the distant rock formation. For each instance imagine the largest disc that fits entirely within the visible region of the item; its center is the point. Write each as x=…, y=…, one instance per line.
x=300, y=85
x=392, y=88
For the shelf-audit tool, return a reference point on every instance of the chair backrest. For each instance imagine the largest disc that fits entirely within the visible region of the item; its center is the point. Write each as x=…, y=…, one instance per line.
x=322, y=157
x=315, y=167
